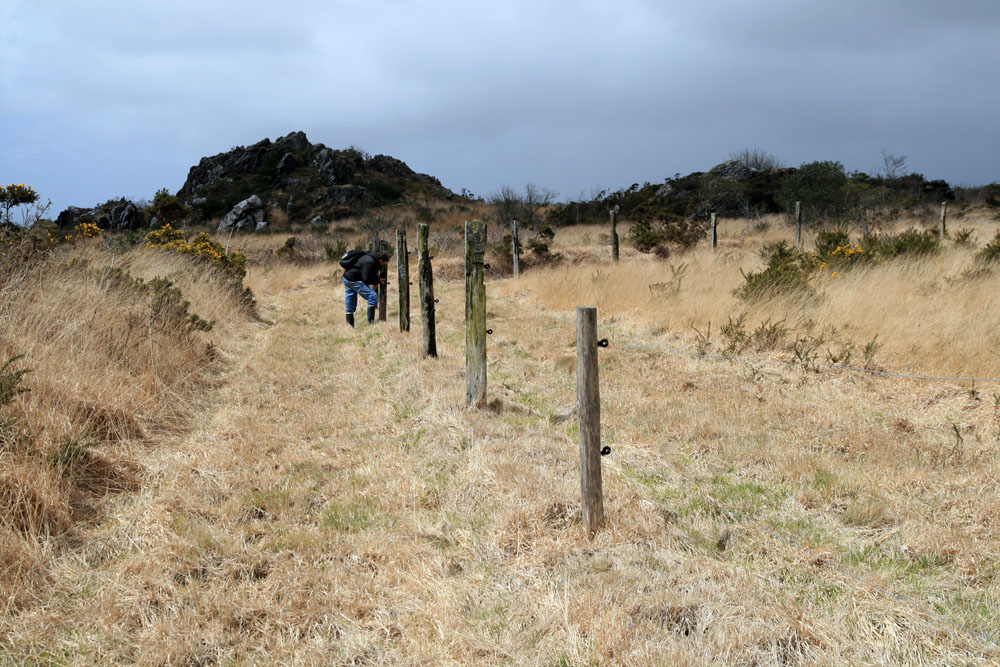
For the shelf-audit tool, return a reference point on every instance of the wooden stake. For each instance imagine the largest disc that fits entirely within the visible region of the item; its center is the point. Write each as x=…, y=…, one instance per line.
x=588, y=397
x=614, y=233
x=426, y=293
x=944, y=215
x=515, y=250
x=383, y=274
x=403, y=280
x=475, y=314
x=715, y=233
x=798, y=224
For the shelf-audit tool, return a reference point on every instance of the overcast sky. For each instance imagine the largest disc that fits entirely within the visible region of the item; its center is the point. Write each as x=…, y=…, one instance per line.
x=107, y=98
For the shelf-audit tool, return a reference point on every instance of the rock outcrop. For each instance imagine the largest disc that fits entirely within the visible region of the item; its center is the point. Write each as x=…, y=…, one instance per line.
x=303, y=179
x=117, y=214
x=249, y=213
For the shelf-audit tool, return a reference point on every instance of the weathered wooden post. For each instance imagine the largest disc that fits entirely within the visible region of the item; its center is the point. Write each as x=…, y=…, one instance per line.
x=403, y=280
x=864, y=225
x=715, y=233
x=588, y=398
x=475, y=314
x=614, y=233
x=798, y=224
x=383, y=275
x=944, y=214
x=515, y=249
x=426, y=293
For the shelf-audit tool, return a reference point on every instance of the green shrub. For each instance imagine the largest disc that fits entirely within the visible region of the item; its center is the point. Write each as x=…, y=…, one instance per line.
x=909, y=243
x=336, y=251
x=10, y=379
x=538, y=247
x=828, y=241
x=820, y=186
x=787, y=272
x=646, y=234
x=990, y=253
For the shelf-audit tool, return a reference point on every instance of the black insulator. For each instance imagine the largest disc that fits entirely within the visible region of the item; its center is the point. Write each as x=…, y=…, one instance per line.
x=605, y=450
x=604, y=342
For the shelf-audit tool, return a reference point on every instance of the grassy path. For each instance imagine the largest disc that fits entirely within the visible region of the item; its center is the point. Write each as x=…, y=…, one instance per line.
x=339, y=506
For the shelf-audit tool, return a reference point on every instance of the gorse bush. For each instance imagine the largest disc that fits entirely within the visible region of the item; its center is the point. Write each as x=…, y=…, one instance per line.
x=10, y=379
x=909, y=243
x=647, y=235
x=787, y=271
x=990, y=253
x=201, y=246
x=790, y=270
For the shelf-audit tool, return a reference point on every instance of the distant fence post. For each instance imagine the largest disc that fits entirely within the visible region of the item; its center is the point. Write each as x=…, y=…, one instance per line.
x=715, y=233
x=614, y=233
x=426, y=293
x=515, y=250
x=798, y=224
x=588, y=397
x=403, y=280
x=944, y=214
x=383, y=293
x=475, y=314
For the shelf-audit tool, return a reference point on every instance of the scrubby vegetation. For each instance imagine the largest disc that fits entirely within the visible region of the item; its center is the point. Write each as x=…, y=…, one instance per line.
x=181, y=482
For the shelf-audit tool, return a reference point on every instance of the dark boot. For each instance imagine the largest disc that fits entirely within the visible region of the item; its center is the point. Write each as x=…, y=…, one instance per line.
x=350, y=319
x=371, y=314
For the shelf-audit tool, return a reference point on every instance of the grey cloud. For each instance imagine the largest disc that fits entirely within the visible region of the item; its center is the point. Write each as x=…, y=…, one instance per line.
x=566, y=94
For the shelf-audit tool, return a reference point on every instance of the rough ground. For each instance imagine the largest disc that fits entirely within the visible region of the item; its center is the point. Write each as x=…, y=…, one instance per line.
x=336, y=504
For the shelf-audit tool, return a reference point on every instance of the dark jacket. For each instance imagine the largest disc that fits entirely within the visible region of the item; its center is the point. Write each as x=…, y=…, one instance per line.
x=365, y=268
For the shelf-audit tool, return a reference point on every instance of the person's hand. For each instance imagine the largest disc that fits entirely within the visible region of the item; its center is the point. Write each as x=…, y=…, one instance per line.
x=381, y=281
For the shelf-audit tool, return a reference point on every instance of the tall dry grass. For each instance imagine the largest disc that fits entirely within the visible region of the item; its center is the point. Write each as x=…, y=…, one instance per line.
x=336, y=504
x=114, y=366
x=929, y=315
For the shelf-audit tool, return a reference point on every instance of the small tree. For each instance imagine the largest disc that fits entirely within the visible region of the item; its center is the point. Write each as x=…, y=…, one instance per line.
x=535, y=198
x=893, y=166
x=166, y=208
x=18, y=194
x=506, y=203
x=756, y=159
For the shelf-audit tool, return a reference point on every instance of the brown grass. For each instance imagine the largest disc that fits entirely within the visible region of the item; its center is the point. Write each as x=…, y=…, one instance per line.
x=334, y=503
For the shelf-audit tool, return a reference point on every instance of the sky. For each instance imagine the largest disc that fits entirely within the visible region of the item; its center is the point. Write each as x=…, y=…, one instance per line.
x=108, y=98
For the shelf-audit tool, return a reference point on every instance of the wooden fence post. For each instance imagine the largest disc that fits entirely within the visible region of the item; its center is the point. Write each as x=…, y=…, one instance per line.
x=383, y=293
x=715, y=233
x=403, y=280
x=798, y=224
x=944, y=214
x=614, y=233
x=588, y=397
x=426, y=293
x=515, y=249
x=475, y=314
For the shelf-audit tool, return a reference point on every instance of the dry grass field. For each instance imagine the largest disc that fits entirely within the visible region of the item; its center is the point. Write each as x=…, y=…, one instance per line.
x=304, y=493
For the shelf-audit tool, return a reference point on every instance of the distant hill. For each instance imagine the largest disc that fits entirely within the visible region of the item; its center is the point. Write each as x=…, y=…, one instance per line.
x=304, y=180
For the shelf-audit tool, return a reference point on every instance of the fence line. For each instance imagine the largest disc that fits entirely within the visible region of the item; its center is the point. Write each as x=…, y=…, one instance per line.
x=758, y=524
x=641, y=347
x=732, y=515
x=803, y=364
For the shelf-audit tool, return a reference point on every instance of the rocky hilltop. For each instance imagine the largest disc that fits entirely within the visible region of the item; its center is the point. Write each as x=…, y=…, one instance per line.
x=246, y=187
x=304, y=180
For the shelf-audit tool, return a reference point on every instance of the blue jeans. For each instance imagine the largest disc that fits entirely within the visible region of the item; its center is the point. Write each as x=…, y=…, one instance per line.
x=352, y=288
